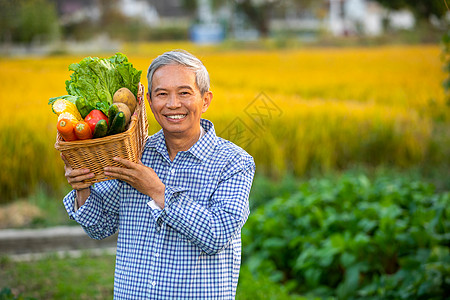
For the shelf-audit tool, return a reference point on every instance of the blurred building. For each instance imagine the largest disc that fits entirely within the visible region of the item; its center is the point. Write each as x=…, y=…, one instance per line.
x=76, y=11
x=364, y=17
x=140, y=9
x=339, y=17
x=151, y=12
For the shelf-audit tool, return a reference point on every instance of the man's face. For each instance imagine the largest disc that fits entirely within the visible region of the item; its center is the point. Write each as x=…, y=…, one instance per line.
x=176, y=101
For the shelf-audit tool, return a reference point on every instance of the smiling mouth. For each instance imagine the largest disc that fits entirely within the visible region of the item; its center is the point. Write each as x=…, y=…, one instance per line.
x=176, y=117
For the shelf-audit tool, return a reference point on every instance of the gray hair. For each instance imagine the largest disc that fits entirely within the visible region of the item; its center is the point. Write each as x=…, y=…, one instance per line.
x=183, y=58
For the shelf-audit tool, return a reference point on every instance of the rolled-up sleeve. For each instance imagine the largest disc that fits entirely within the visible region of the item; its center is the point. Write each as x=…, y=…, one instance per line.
x=99, y=215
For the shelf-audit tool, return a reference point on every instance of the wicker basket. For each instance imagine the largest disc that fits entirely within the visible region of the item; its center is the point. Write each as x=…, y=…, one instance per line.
x=95, y=154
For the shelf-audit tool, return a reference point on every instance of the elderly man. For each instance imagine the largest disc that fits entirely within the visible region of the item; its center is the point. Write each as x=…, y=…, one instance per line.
x=180, y=210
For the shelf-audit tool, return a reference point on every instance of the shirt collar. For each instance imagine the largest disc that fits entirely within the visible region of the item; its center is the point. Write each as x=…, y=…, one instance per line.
x=201, y=149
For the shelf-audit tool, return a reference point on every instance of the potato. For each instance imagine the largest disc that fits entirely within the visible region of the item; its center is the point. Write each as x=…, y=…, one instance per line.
x=124, y=95
x=124, y=108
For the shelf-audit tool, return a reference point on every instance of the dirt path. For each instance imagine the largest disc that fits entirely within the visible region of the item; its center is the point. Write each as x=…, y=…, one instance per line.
x=29, y=243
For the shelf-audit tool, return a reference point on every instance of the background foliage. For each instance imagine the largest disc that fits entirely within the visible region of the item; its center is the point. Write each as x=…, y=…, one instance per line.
x=352, y=238
x=36, y=21
x=27, y=21
x=349, y=236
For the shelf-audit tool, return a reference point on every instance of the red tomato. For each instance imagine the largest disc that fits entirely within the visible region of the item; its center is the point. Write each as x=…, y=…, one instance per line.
x=93, y=117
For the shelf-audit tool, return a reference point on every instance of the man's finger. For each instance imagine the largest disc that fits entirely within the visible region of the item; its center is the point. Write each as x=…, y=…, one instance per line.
x=64, y=160
x=127, y=163
x=118, y=172
x=82, y=178
x=77, y=172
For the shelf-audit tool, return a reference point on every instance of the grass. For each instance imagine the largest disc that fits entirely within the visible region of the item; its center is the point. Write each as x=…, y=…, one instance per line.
x=92, y=277
x=86, y=277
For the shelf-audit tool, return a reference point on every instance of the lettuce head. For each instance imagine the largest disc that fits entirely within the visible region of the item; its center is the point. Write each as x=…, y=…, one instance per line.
x=97, y=79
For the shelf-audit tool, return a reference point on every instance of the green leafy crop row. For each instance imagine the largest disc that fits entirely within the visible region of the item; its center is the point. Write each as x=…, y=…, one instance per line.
x=353, y=238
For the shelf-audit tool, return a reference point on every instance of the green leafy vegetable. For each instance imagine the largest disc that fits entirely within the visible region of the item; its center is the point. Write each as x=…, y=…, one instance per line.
x=83, y=106
x=351, y=237
x=70, y=98
x=96, y=80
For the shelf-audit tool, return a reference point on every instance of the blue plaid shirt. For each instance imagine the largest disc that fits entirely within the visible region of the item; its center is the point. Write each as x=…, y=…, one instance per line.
x=191, y=249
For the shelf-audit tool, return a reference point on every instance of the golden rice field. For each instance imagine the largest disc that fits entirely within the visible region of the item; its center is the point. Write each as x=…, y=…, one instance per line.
x=293, y=110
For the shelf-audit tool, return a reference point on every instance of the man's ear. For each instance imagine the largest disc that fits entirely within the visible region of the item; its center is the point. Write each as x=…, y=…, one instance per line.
x=149, y=99
x=207, y=98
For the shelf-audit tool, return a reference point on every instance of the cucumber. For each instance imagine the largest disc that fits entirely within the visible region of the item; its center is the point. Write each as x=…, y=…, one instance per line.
x=123, y=107
x=101, y=129
x=112, y=112
x=118, y=124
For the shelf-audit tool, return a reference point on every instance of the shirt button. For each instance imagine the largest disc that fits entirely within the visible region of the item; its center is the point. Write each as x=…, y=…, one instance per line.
x=153, y=283
x=157, y=254
x=172, y=171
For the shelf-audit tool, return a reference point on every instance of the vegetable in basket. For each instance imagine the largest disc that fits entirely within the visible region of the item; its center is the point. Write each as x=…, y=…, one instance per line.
x=93, y=117
x=125, y=96
x=69, y=116
x=118, y=125
x=115, y=108
x=101, y=129
x=69, y=98
x=119, y=113
x=83, y=131
x=65, y=129
x=94, y=86
x=96, y=80
x=83, y=106
x=62, y=105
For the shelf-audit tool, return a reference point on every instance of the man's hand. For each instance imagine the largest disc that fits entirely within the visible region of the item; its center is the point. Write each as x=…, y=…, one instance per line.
x=75, y=179
x=142, y=178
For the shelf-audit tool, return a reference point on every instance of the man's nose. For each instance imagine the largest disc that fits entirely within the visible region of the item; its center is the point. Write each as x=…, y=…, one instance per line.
x=173, y=102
